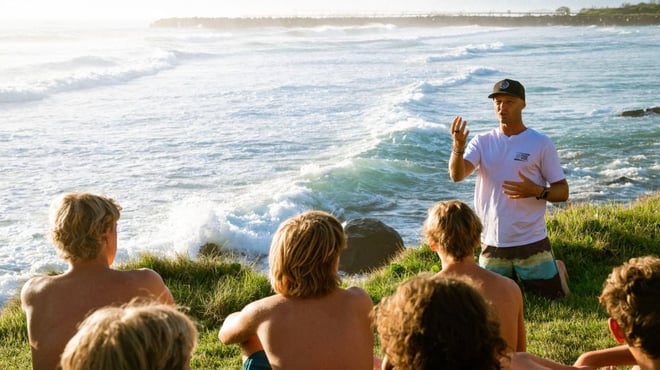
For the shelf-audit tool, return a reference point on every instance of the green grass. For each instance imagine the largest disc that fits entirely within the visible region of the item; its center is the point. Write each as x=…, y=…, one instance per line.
x=591, y=239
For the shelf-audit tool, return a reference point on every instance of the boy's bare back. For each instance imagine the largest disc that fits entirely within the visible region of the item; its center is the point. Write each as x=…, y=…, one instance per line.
x=453, y=230
x=54, y=305
x=332, y=332
x=84, y=232
x=505, y=295
x=311, y=322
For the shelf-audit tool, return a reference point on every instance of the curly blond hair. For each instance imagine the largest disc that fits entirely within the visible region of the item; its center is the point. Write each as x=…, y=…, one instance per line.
x=631, y=296
x=79, y=222
x=454, y=228
x=436, y=322
x=304, y=255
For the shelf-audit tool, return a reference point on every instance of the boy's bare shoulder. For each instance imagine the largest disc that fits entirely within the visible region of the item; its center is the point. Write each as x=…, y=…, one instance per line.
x=263, y=308
x=360, y=296
x=142, y=274
x=145, y=278
x=504, y=282
x=37, y=282
x=34, y=288
x=358, y=292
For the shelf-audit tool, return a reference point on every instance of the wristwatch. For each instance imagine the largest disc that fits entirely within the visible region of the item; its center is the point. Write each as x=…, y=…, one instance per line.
x=544, y=193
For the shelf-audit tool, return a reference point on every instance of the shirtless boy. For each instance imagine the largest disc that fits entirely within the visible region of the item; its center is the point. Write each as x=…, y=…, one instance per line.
x=453, y=231
x=631, y=296
x=437, y=322
x=444, y=322
x=84, y=230
x=311, y=322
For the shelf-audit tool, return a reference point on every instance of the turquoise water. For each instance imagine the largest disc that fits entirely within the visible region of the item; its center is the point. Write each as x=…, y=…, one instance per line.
x=218, y=136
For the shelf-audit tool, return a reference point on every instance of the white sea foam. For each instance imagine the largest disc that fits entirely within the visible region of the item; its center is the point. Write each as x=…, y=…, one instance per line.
x=103, y=73
x=206, y=136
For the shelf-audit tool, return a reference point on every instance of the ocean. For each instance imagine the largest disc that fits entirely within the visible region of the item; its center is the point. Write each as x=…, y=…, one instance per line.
x=217, y=136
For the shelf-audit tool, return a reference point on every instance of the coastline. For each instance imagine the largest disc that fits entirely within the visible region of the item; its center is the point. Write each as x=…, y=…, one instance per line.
x=415, y=21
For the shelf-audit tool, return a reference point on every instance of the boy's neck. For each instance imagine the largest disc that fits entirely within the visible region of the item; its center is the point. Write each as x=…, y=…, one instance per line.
x=99, y=263
x=451, y=264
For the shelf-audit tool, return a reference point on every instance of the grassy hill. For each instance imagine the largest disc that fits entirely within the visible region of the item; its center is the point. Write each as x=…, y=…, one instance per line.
x=590, y=238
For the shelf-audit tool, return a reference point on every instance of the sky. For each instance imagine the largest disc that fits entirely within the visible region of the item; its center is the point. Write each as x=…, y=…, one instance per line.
x=150, y=10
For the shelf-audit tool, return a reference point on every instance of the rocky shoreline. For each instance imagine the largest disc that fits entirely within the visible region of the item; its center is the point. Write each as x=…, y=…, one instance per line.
x=416, y=21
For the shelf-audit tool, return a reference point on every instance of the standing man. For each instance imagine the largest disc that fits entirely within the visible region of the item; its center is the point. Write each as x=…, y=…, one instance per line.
x=519, y=172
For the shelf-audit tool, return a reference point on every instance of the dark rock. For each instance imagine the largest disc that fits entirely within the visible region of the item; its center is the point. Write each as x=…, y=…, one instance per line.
x=632, y=113
x=211, y=250
x=371, y=245
x=640, y=112
x=621, y=181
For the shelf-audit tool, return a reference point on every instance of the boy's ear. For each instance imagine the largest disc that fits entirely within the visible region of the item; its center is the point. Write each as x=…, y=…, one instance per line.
x=433, y=246
x=617, y=333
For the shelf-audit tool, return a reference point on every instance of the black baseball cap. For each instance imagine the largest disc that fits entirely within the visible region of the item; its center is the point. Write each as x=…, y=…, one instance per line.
x=508, y=87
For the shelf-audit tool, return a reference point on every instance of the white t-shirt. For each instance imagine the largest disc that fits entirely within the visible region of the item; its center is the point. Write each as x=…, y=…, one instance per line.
x=511, y=222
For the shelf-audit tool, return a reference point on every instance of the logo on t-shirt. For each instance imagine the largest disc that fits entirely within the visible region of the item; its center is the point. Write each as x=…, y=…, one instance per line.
x=521, y=157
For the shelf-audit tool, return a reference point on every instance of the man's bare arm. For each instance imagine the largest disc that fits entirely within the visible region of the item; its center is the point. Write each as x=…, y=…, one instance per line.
x=459, y=168
x=558, y=191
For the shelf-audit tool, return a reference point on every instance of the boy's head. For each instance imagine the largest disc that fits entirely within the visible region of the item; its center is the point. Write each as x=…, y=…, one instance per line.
x=79, y=223
x=434, y=322
x=631, y=296
x=304, y=255
x=454, y=228
x=135, y=336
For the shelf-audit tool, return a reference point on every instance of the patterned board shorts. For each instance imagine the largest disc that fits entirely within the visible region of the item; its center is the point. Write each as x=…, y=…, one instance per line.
x=533, y=265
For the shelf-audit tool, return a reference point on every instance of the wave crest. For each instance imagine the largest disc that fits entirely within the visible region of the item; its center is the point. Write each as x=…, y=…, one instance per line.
x=88, y=72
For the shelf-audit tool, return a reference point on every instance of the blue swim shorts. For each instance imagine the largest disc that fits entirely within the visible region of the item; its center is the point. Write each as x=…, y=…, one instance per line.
x=257, y=361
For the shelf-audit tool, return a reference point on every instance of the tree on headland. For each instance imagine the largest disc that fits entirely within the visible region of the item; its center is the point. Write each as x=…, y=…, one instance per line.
x=625, y=9
x=563, y=10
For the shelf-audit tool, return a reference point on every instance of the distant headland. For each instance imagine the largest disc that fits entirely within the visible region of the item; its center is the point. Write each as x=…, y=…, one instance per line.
x=627, y=15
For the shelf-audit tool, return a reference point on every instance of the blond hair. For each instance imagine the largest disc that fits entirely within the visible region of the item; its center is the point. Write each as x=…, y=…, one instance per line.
x=631, y=296
x=435, y=323
x=454, y=228
x=79, y=222
x=135, y=336
x=304, y=255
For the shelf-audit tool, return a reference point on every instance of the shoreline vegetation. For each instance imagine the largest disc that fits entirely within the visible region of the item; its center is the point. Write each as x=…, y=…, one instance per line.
x=641, y=14
x=590, y=238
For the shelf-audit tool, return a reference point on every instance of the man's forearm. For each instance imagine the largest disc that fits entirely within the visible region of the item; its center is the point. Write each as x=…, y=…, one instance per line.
x=558, y=192
x=457, y=166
